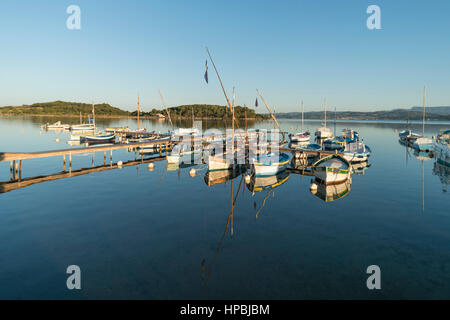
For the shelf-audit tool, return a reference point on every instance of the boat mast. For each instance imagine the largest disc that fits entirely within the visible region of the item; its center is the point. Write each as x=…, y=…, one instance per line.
x=303, y=109
x=268, y=109
x=423, y=120
x=221, y=84
x=325, y=106
x=167, y=110
x=335, y=116
x=138, y=114
x=93, y=115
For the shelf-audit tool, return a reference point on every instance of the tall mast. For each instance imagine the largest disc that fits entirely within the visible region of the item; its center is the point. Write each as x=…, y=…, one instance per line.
x=303, y=109
x=221, y=84
x=423, y=120
x=165, y=107
x=138, y=114
x=268, y=109
x=93, y=115
x=325, y=106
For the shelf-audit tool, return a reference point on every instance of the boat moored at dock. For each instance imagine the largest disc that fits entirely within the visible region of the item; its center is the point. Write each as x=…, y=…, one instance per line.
x=331, y=169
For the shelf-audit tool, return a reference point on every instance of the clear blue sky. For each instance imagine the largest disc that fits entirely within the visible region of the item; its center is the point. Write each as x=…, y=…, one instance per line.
x=290, y=50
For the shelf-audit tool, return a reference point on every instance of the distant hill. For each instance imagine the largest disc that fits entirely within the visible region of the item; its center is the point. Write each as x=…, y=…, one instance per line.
x=397, y=114
x=63, y=108
x=444, y=110
x=205, y=111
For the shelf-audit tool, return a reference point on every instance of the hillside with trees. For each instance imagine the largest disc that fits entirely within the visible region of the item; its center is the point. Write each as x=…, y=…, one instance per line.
x=63, y=108
x=205, y=111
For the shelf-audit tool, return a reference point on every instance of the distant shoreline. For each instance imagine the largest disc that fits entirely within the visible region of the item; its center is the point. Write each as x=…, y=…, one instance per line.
x=121, y=117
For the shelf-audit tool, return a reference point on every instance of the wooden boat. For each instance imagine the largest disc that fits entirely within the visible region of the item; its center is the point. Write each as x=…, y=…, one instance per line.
x=269, y=164
x=331, y=169
x=225, y=160
x=356, y=152
x=423, y=144
x=185, y=157
x=258, y=183
x=85, y=127
x=55, y=126
x=100, y=138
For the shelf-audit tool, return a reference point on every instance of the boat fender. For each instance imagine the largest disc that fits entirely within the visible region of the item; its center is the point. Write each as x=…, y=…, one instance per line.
x=151, y=166
x=313, y=188
x=247, y=179
x=119, y=164
x=192, y=172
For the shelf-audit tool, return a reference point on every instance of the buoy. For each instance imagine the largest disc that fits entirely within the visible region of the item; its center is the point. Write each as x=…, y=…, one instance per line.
x=313, y=188
x=192, y=172
x=57, y=139
x=119, y=164
x=151, y=166
x=247, y=179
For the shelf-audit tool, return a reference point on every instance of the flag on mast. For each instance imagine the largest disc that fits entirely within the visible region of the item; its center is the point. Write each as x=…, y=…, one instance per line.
x=206, y=72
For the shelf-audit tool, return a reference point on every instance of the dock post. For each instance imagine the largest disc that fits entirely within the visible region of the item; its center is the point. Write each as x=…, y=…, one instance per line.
x=20, y=170
x=104, y=157
x=110, y=157
x=11, y=170
x=93, y=158
x=70, y=162
x=64, y=162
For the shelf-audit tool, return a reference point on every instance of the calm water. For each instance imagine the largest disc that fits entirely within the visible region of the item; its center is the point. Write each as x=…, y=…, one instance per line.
x=158, y=234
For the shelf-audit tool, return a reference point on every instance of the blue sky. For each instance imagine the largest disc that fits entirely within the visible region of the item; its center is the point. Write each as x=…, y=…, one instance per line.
x=290, y=50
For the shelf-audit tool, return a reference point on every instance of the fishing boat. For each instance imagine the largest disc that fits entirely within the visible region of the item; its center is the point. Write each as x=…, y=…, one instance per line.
x=330, y=193
x=444, y=135
x=324, y=132
x=356, y=152
x=55, y=126
x=269, y=164
x=350, y=135
x=331, y=169
x=335, y=143
x=258, y=183
x=423, y=144
x=100, y=138
x=303, y=135
x=150, y=148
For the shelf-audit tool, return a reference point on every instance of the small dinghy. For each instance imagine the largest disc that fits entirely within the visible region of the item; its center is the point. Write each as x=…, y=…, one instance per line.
x=100, y=138
x=332, y=169
x=270, y=164
x=309, y=147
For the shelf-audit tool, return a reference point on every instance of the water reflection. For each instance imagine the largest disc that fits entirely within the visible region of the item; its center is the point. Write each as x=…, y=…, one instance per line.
x=443, y=173
x=332, y=192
